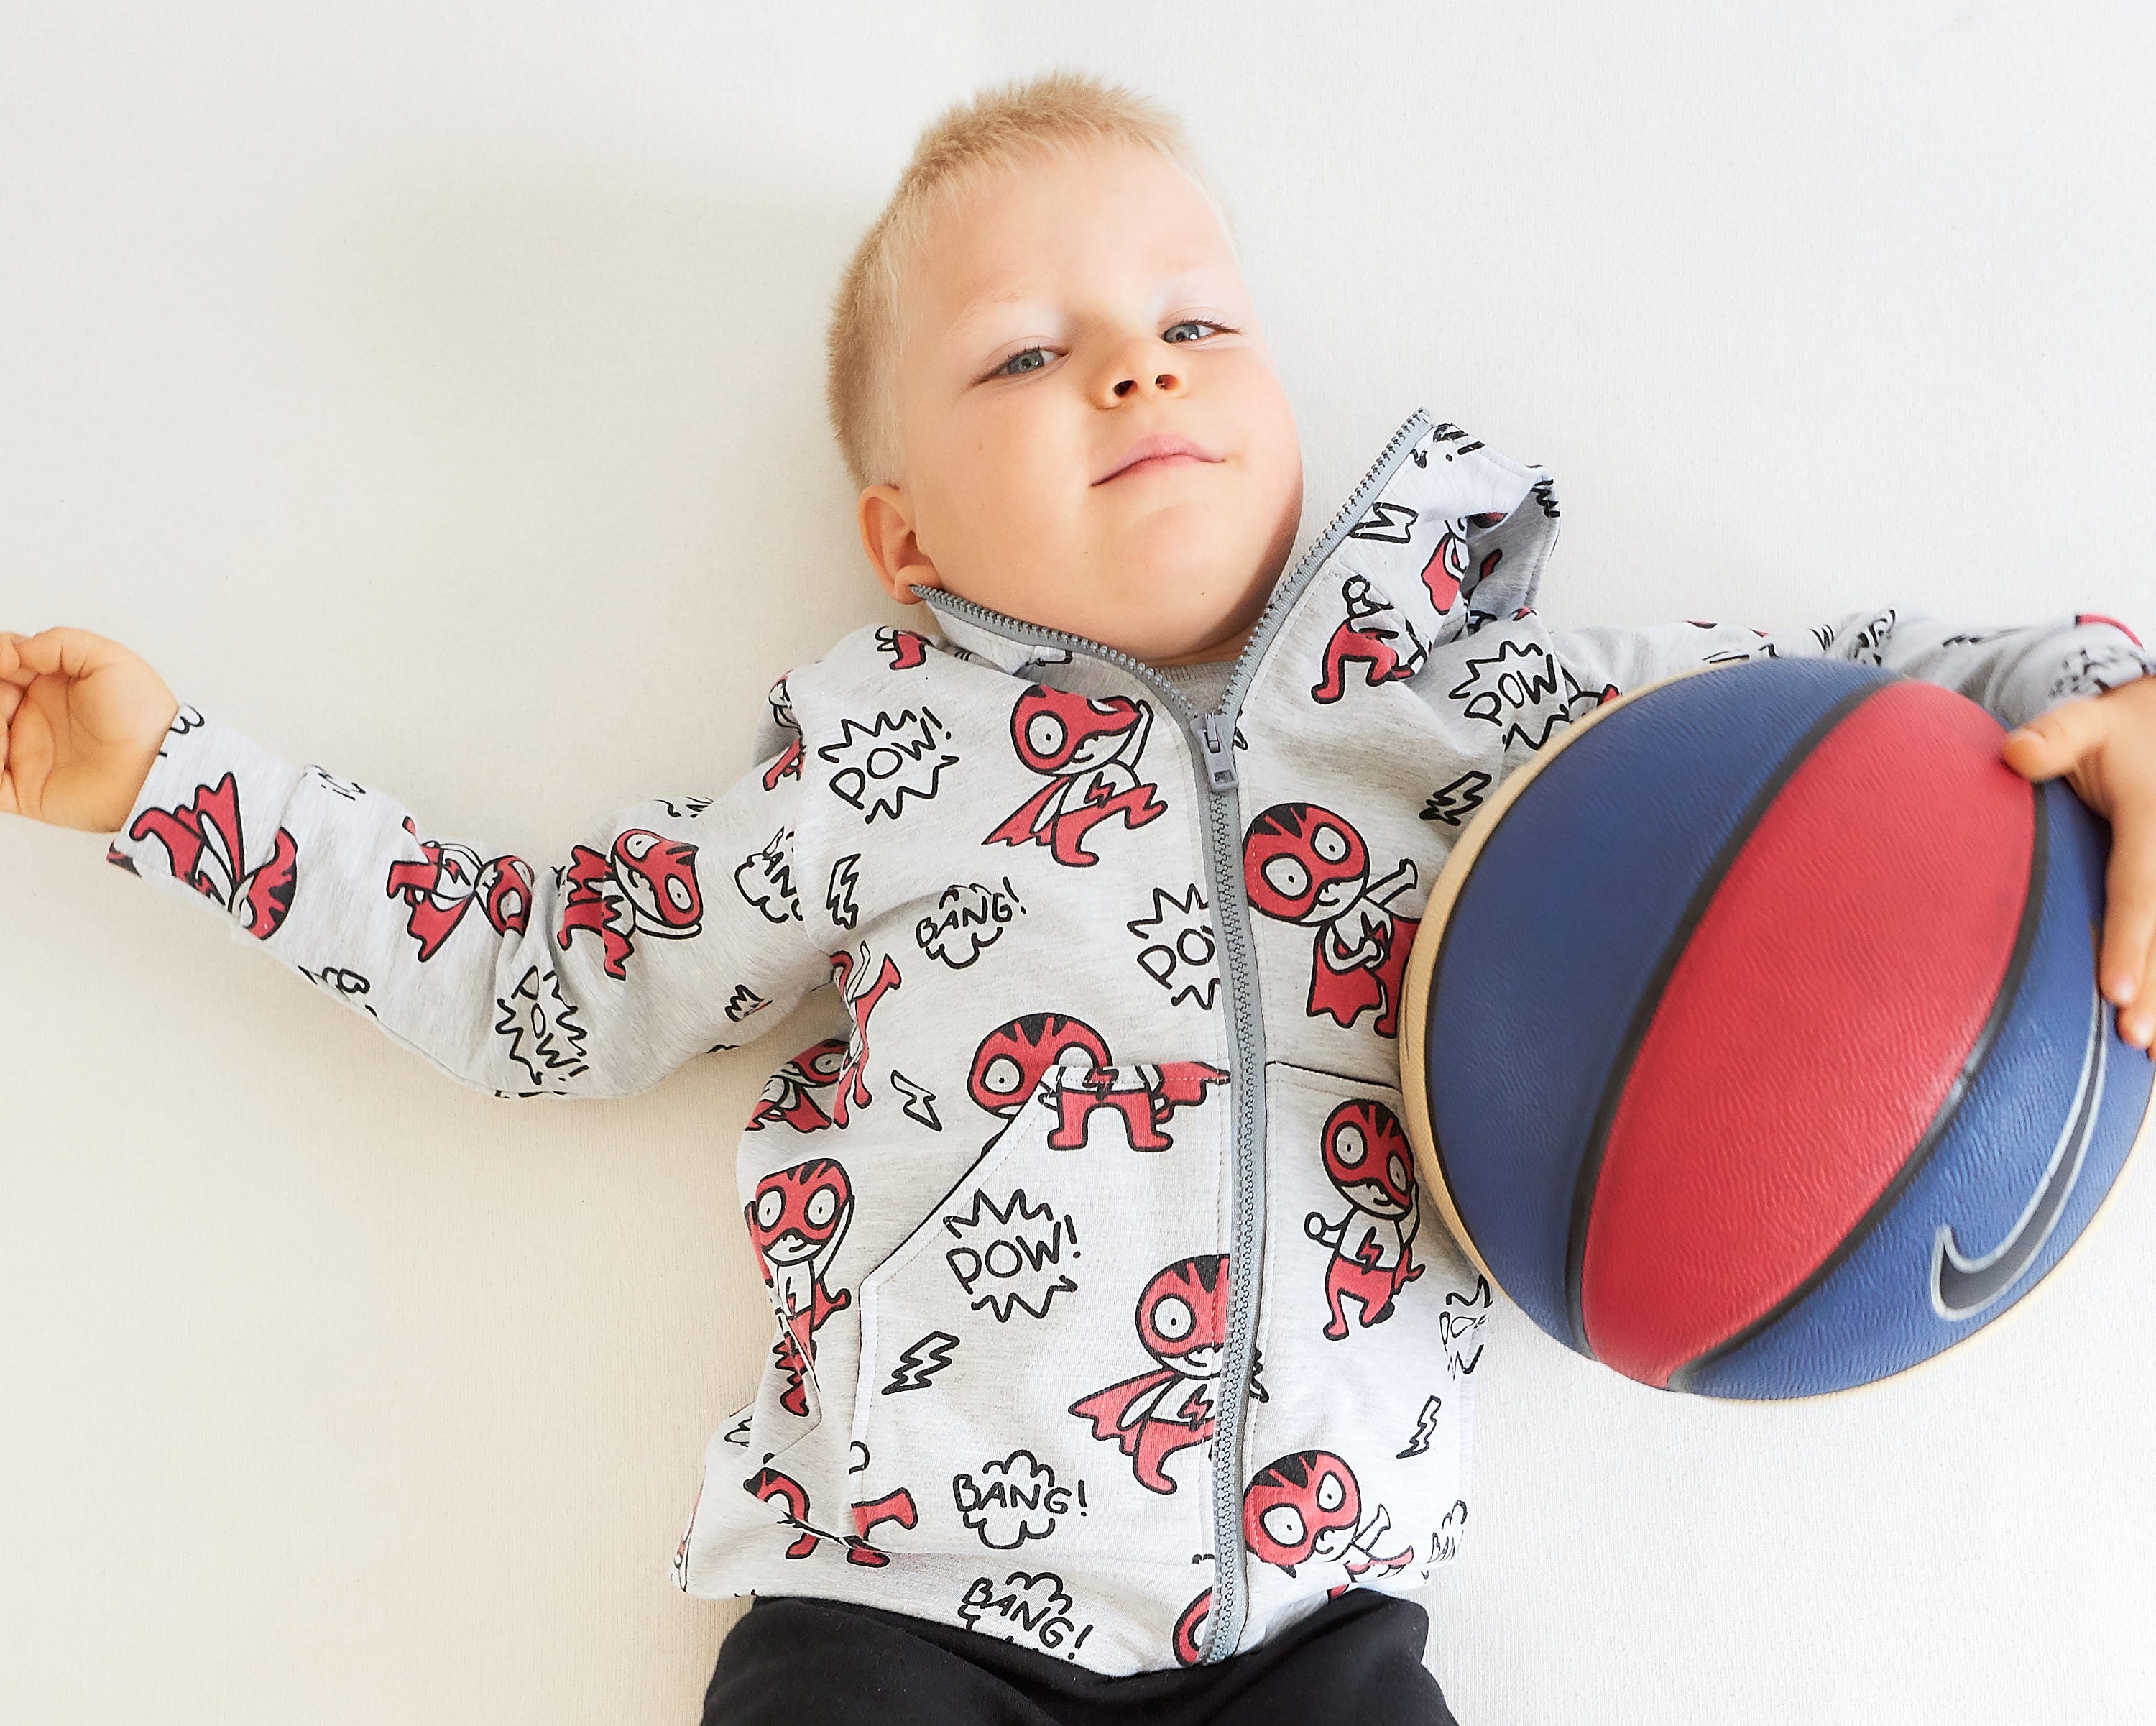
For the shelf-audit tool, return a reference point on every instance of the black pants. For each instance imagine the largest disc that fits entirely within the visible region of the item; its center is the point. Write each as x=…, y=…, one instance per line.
x=792, y=1661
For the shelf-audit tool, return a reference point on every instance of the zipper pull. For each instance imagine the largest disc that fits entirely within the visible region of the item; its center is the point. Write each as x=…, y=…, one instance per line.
x=1216, y=737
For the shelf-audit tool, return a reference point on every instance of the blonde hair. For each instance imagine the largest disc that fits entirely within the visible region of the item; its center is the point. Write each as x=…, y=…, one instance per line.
x=1056, y=113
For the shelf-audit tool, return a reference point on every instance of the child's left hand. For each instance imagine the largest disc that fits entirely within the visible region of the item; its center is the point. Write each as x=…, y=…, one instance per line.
x=2106, y=746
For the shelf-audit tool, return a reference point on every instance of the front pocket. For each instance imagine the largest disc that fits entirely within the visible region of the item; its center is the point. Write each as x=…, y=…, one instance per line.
x=1370, y=1329
x=1039, y=1354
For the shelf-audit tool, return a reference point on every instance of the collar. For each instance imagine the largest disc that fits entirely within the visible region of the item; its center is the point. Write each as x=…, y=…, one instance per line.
x=1443, y=529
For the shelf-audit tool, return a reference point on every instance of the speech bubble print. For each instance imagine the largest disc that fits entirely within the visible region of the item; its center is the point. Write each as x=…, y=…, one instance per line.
x=1035, y=1612
x=968, y=919
x=1010, y=1257
x=1011, y=1502
x=765, y=879
x=881, y=765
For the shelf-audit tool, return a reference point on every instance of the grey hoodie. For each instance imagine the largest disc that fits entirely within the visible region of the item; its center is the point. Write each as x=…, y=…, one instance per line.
x=1107, y=1316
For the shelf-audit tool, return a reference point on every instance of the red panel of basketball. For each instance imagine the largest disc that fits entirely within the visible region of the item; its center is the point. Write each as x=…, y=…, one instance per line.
x=1811, y=1028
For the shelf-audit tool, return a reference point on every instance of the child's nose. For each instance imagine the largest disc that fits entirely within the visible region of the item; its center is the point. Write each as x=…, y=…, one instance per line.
x=1167, y=383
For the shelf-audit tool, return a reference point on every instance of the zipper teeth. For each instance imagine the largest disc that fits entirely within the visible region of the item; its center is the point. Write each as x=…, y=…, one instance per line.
x=1231, y=917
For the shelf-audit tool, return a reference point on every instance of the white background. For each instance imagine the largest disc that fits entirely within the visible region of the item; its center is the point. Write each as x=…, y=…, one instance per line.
x=434, y=393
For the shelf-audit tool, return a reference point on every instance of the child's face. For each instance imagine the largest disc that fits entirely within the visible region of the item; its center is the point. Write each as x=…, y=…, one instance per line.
x=1058, y=315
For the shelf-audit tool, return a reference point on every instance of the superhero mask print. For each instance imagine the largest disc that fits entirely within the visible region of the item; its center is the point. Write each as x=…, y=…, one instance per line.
x=440, y=889
x=1012, y=1059
x=790, y=1499
x=1089, y=748
x=1015, y=1060
x=1368, y=1160
x=645, y=885
x=208, y=853
x=796, y=1221
x=1307, y=1506
x=1374, y=635
x=788, y=1098
x=1302, y=864
x=1182, y=1324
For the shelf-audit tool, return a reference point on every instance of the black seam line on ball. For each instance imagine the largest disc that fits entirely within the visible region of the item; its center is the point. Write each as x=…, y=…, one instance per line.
x=1651, y=999
x=1979, y=1052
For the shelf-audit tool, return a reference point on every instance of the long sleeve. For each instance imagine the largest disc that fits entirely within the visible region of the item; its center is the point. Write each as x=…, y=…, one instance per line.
x=2014, y=673
x=671, y=931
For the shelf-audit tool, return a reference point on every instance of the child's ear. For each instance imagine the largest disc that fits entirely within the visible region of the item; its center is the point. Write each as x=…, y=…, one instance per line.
x=887, y=536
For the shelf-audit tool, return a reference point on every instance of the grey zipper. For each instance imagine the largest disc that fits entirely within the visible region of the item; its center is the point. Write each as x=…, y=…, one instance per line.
x=1214, y=763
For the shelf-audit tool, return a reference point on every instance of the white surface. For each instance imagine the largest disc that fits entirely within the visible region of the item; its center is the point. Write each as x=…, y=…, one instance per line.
x=436, y=394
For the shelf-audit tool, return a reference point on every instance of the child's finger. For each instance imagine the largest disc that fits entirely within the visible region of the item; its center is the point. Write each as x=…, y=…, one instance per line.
x=2136, y=1024
x=2129, y=917
x=11, y=662
x=2054, y=740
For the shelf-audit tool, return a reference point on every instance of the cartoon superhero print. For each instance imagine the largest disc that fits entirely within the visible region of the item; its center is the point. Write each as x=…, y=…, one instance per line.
x=440, y=889
x=787, y=1098
x=862, y=991
x=1189, y=1629
x=1366, y=1157
x=1182, y=1324
x=796, y=1221
x=1089, y=747
x=1446, y=571
x=203, y=839
x=1302, y=864
x=791, y=1499
x=1015, y=1059
x=645, y=885
x=1308, y=1505
x=906, y=649
x=1374, y=635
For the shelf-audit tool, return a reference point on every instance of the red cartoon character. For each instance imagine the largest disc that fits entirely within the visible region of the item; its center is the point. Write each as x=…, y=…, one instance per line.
x=1449, y=562
x=1307, y=1506
x=862, y=991
x=795, y=1222
x=1189, y=1629
x=1303, y=864
x=906, y=649
x=787, y=1093
x=440, y=890
x=1015, y=1060
x=203, y=840
x=1012, y=1059
x=1368, y=1159
x=646, y=886
x=1090, y=748
x=791, y=1498
x=1374, y=635
x=1182, y=1324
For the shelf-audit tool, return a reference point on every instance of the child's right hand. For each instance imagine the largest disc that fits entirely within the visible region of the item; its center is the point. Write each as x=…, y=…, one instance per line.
x=81, y=720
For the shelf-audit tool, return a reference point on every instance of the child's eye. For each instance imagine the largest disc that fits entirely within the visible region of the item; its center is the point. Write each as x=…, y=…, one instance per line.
x=1027, y=359
x=1198, y=324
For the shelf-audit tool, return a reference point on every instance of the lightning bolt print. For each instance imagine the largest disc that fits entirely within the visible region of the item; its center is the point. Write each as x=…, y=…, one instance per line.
x=1426, y=1424
x=919, y=1361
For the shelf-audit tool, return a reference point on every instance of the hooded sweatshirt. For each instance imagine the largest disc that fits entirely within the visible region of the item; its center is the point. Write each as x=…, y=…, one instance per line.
x=1108, y=1316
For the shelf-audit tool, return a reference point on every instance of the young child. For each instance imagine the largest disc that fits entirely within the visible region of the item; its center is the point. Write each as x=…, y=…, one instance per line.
x=1117, y=1369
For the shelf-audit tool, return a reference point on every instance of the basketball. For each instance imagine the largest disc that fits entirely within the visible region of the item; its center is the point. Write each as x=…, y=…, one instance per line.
x=1752, y=1042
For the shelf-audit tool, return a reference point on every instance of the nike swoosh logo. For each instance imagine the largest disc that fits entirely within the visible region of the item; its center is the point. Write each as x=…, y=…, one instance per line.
x=1961, y=1285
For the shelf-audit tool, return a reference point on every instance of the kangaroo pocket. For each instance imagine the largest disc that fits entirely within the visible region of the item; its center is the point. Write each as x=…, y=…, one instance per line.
x=1039, y=1355
x=1370, y=1331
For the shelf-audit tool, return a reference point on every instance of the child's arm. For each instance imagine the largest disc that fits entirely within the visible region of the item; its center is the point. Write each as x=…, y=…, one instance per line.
x=2015, y=672
x=2082, y=685
x=670, y=931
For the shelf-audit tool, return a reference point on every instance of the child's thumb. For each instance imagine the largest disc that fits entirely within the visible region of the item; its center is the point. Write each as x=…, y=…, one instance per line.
x=2055, y=741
